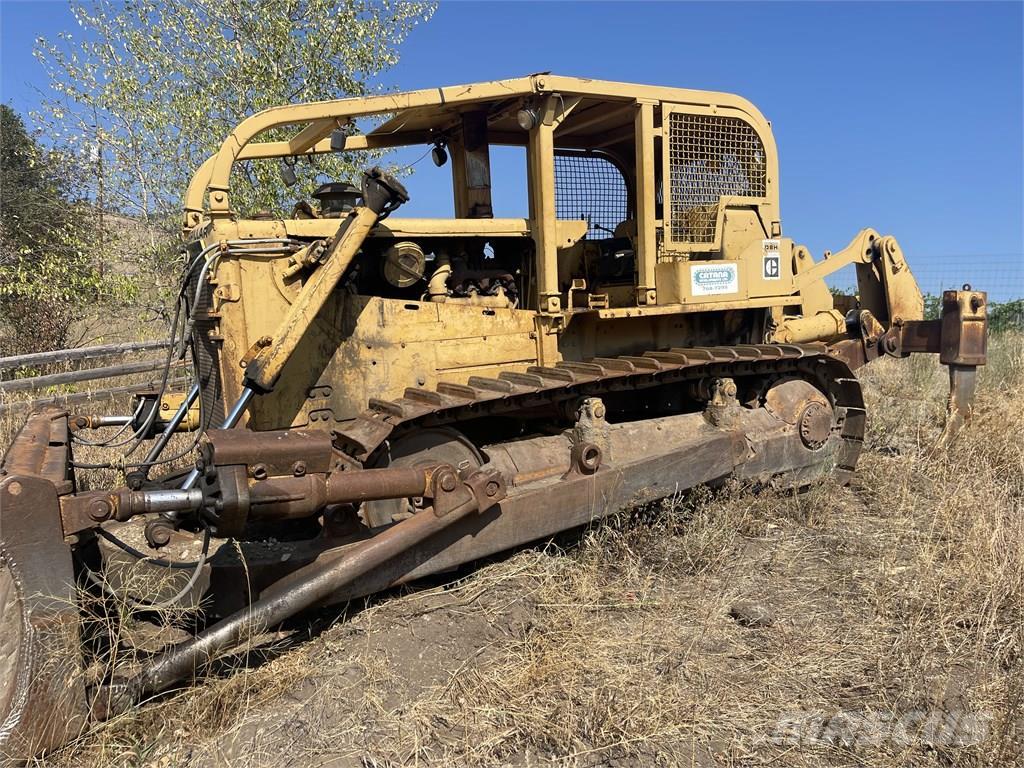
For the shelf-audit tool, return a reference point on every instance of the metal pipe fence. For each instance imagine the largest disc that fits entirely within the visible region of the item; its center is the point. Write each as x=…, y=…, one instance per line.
x=79, y=360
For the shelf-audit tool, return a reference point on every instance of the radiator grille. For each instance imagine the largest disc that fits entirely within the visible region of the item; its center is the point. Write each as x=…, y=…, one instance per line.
x=709, y=157
x=591, y=188
x=206, y=356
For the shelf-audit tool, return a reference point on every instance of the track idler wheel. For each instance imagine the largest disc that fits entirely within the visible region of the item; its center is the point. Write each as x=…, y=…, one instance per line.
x=815, y=424
x=439, y=445
x=42, y=692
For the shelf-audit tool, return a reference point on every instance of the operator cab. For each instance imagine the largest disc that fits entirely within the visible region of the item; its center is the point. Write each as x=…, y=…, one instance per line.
x=594, y=200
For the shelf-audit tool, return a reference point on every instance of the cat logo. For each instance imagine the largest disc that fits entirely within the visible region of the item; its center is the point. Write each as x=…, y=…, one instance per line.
x=772, y=265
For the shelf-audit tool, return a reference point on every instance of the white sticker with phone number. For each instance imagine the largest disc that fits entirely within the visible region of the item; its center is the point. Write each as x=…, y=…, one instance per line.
x=713, y=279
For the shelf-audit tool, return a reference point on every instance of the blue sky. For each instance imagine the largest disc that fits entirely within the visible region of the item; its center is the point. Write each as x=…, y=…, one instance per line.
x=906, y=117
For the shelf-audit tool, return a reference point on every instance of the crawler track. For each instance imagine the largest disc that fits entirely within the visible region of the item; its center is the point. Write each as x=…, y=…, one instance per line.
x=512, y=391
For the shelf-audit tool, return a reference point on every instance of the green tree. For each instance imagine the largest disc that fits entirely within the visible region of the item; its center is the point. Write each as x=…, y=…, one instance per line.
x=154, y=87
x=932, y=306
x=1006, y=315
x=48, y=268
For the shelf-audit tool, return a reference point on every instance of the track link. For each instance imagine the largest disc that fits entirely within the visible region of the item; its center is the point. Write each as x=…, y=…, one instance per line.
x=512, y=391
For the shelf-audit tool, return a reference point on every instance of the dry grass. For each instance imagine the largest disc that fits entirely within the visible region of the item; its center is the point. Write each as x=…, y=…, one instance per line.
x=898, y=605
x=99, y=403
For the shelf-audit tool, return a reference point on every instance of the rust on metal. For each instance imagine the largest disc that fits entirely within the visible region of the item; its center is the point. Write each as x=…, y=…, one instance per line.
x=385, y=415
x=958, y=337
x=89, y=508
x=964, y=328
x=42, y=448
x=276, y=451
x=617, y=374
x=293, y=497
x=311, y=585
x=914, y=336
x=42, y=692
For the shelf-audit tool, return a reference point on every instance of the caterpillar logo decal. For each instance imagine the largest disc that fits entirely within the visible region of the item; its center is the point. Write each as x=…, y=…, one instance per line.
x=771, y=261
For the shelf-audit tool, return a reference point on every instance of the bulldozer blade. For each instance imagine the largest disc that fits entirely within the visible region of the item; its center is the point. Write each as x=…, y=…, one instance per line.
x=42, y=689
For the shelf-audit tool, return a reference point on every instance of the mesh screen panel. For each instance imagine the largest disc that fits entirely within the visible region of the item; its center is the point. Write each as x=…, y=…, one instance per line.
x=206, y=354
x=710, y=156
x=590, y=187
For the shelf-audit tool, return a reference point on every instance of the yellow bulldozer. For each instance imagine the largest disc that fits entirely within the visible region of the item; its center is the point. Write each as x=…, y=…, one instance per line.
x=376, y=399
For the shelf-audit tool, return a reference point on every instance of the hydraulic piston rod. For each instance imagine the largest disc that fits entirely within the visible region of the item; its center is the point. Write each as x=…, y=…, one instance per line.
x=315, y=583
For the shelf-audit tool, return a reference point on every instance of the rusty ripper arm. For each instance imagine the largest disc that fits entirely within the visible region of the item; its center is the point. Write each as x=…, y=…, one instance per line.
x=890, y=320
x=959, y=337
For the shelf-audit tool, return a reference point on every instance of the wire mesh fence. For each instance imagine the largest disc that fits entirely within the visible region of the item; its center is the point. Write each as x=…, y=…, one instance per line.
x=1001, y=275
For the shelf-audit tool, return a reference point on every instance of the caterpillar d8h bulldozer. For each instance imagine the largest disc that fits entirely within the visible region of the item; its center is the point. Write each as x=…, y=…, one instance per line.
x=379, y=398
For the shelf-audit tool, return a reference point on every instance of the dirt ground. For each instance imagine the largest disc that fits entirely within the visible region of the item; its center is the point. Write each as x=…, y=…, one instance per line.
x=873, y=625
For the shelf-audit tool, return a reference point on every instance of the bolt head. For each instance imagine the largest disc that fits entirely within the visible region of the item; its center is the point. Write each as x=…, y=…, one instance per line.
x=100, y=509
x=491, y=489
x=158, y=535
x=448, y=482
